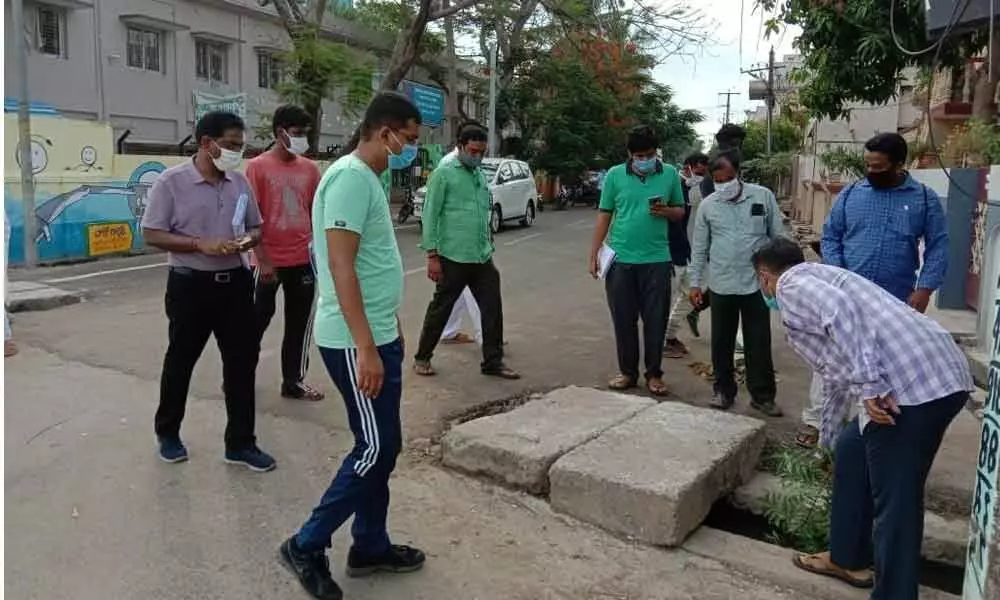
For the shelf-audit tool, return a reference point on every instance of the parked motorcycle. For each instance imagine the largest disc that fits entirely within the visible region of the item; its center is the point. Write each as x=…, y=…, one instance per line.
x=406, y=210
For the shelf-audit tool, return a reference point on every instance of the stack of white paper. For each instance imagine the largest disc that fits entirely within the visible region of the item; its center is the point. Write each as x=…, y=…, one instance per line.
x=605, y=258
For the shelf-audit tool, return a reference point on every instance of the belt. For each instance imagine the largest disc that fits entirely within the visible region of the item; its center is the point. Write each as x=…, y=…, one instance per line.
x=215, y=276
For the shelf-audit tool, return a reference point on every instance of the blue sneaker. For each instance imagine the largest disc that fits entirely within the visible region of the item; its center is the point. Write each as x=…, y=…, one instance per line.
x=172, y=450
x=252, y=458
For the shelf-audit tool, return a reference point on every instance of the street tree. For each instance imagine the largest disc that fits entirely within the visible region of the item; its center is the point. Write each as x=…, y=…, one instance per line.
x=856, y=50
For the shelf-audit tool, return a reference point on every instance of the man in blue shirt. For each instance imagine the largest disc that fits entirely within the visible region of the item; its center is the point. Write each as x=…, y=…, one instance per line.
x=875, y=229
x=876, y=226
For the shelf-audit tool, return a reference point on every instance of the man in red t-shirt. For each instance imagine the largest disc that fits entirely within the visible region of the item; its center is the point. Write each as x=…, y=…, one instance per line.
x=284, y=183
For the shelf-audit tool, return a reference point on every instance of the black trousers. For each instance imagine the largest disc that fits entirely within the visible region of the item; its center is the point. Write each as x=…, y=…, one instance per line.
x=299, y=284
x=200, y=304
x=639, y=291
x=727, y=312
x=483, y=280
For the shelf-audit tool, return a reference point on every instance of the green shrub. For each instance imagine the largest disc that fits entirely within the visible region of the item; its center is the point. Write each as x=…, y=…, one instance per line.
x=799, y=512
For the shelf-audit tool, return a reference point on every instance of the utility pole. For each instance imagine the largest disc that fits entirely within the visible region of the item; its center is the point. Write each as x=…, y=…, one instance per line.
x=451, y=120
x=770, y=96
x=728, y=96
x=491, y=144
x=24, y=133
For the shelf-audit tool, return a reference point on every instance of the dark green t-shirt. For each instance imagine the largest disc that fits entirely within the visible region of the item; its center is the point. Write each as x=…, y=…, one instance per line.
x=636, y=236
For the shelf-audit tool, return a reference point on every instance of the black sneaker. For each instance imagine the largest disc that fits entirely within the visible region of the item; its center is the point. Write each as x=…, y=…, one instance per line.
x=397, y=559
x=692, y=321
x=312, y=570
x=768, y=408
x=721, y=401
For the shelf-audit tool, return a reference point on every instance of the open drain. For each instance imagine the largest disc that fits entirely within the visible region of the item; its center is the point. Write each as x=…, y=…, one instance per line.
x=726, y=517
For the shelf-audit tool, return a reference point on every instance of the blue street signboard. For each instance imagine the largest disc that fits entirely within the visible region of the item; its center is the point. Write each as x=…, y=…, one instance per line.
x=429, y=100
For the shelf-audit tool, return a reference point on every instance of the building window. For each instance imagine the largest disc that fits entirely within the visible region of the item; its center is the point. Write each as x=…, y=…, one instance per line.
x=144, y=49
x=51, y=22
x=211, y=61
x=270, y=71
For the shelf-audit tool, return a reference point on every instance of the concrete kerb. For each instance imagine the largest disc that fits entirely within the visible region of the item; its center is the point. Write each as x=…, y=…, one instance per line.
x=774, y=564
x=517, y=447
x=655, y=476
x=28, y=296
x=945, y=539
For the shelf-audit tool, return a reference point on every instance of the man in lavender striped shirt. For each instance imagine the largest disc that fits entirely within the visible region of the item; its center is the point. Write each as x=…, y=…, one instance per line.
x=912, y=380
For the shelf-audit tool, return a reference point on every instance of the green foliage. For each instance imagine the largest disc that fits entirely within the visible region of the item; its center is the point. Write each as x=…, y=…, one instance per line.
x=574, y=120
x=978, y=141
x=388, y=18
x=799, y=512
x=768, y=169
x=786, y=136
x=848, y=49
x=845, y=161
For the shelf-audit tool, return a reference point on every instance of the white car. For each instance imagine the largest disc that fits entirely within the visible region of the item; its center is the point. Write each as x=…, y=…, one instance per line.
x=512, y=185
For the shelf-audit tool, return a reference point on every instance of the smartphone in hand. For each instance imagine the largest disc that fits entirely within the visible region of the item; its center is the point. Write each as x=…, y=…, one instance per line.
x=244, y=243
x=655, y=200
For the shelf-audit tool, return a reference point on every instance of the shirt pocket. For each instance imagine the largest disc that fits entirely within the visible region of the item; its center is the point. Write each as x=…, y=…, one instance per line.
x=757, y=225
x=906, y=221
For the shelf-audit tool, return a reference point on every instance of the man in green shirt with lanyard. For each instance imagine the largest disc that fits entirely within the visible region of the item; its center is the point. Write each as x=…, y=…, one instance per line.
x=638, y=199
x=459, y=247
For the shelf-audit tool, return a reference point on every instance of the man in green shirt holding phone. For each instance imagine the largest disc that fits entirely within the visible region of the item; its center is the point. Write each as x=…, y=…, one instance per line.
x=637, y=200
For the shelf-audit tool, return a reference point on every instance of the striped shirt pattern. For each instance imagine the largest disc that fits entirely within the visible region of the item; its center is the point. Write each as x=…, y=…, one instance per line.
x=865, y=343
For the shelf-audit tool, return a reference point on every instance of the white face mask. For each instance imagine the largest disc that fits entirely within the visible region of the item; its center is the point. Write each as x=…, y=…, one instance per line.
x=228, y=159
x=728, y=190
x=297, y=145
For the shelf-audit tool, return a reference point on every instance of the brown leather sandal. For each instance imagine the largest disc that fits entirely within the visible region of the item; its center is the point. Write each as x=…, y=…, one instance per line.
x=820, y=564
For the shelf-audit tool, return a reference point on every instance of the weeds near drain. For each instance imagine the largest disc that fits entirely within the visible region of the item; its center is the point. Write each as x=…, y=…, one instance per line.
x=799, y=512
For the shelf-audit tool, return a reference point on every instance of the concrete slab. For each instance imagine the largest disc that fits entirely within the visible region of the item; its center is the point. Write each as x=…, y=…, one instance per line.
x=774, y=563
x=945, y=538
x=519, y=446
x=30, y=295
x=953, y=475
x=656, y=476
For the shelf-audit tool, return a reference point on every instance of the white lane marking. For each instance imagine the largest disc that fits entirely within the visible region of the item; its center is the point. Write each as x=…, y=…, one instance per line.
x=578, y=223
x=402, y=227
x=523, y=238
x=413, y=271
x=105, y=272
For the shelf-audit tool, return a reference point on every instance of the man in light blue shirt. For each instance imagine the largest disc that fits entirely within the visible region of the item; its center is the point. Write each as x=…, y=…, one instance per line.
x=732, y=222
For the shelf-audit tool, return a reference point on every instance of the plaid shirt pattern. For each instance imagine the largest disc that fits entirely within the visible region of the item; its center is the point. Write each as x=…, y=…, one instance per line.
x=865, y=343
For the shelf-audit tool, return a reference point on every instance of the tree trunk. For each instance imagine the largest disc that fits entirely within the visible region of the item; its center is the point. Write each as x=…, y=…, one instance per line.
x=404, y=54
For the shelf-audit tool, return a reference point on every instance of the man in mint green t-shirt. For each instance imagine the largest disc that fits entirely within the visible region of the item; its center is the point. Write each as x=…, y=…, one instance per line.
x=637, y=200
x=360, y=276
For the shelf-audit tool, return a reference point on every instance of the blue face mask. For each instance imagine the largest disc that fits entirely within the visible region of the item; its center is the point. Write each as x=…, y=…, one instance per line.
x=405, y=157
x=644, y=166
x=470, y=161
x=771, y=302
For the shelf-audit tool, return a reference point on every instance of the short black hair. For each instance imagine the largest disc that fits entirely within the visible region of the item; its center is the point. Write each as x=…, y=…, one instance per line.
x=891, y=144
x=698, y=158
x=389, y=109
x=472, y=132
x=215, y=124
x=719, y=158
x=730, y=135
x=287, y=116
x=469, y=123
x=642, y=138
x=777, y=255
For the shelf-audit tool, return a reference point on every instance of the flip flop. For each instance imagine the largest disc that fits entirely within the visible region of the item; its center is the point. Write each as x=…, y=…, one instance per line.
x=807, y=436
x=424, y=369
x=459, y=338
x=656, y=387
x=621, y=383
x=820, y=565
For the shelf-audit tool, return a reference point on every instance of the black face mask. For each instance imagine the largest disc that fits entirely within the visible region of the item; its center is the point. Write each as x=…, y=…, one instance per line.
x=882, y=180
